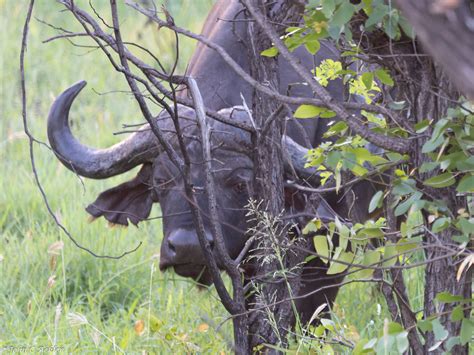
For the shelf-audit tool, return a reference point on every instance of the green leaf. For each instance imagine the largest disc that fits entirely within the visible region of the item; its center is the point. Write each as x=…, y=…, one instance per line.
x=404, y=245
x=335, y=31
x=394, y=328
x=396, y=105
x=406, y=27
x=467, y=330
x=466, y=184
x=328, y=324
x=334, y=129
x=313, y=226
x=368, y=79
x=458, y=313
x=270, y=52
x=343, y=14
x=376, y=16
x=370, y=344
x=336, y=267
x=405, y=205
x=390, y=25
x=439, y=181
x=389, y=254
x=327, y=114
x=451, y=342
x=422, y=126
x=155, y=323
x=321, y=246
x=402, y=341
x=432, y=144
x=428, y=166
x=404, y=187
x=384, y=77
x=439, y=128
x=425, y=325
x=328, y=7
x=465, y=225
x=376, y=201
x=338, y=177
x=439, y=331
x=465, y=164
x=371, y=258
x=344, y=233
x=312, y=46
x=370, y=232
x=441, y=224
x=446, y=297
x=310, y=111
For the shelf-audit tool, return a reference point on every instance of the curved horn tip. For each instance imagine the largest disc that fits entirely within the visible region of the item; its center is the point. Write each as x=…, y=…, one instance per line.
x=76, y=88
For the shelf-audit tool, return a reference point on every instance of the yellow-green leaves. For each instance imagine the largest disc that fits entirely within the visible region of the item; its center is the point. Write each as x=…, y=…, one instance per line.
x=368, y=80
x=328, y=70
x=370, y=260
x=322, y=247
x=270, y=52
x=311, y=111
x=312, y=46
x=384, y=77
x=340, y=261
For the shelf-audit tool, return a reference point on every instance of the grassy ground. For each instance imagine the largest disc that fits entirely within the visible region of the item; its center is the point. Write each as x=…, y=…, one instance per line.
x=106, y=300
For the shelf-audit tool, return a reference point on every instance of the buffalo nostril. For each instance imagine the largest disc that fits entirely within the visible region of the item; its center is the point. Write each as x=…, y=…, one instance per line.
x=171, y=247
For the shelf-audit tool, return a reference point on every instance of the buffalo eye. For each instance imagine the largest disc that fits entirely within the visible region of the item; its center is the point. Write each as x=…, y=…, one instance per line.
x=239, y=187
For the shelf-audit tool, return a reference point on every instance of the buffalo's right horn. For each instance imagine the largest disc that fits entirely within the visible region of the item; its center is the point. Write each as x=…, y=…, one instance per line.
x=139, y=148
x=295, y=159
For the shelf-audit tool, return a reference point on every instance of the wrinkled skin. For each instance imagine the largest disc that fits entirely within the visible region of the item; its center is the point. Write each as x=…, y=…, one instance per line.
x=159, y=182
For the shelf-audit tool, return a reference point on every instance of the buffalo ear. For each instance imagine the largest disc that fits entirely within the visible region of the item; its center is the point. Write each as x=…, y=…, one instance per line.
x=130, y=201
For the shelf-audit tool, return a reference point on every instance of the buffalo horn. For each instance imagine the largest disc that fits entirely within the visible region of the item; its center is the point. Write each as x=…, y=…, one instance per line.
x=137, y=149
x=295, y=160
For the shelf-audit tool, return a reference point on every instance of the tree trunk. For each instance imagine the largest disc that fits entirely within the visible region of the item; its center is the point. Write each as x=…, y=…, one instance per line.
x=429, y=94
x=270, y=322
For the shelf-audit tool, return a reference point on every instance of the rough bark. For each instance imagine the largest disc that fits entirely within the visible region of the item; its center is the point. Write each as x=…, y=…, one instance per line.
x=268, y=182
x=429, y=93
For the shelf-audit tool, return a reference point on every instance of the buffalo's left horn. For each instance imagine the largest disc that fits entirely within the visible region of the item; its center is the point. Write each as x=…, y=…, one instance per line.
x=295, y=159
x=137, y=149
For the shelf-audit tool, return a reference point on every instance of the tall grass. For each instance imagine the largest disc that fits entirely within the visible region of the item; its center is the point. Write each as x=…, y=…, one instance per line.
x=110, y=294
x=54, y=295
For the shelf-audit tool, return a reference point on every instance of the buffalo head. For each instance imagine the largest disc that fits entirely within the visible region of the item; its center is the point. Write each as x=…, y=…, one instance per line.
x=160, y=181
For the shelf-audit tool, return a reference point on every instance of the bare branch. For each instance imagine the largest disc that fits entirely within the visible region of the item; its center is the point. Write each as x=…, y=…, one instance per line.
x=32, y=140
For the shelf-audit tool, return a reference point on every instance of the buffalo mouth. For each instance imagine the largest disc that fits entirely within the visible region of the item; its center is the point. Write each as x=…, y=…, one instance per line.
x=198, y=273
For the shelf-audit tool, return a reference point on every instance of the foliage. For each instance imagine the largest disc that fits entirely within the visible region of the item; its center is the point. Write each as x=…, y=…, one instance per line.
x=418, y=203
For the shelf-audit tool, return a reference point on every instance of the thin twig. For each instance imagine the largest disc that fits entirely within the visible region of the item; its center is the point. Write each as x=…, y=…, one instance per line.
x=32, y=140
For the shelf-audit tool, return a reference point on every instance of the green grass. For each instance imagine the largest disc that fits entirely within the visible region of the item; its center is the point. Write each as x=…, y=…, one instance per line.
x=111, y=294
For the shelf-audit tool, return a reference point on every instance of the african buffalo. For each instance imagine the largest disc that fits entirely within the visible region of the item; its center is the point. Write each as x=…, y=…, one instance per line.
x=158, y=180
